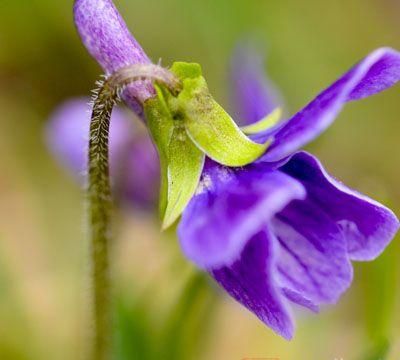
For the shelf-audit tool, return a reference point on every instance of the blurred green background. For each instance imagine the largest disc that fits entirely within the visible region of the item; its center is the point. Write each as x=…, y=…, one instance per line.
x=163, y=309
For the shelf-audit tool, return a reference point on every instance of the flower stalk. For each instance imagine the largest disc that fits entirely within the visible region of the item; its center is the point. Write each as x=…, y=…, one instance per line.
x=99, y=196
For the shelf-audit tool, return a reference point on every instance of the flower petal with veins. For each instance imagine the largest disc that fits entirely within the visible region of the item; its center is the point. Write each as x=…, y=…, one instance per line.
x=251, y=281
x=377, y=72
x=230, y=207
x=366, y=225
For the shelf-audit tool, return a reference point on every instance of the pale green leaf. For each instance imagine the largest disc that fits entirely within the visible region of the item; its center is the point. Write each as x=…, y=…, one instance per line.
x=211, y=128
x=265, y=123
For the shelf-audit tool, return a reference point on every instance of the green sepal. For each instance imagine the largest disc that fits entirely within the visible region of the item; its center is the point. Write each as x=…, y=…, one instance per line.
x=161, y=126
x=187, y=127
x=208, y=125
x=181, y=161
x=265, y=123
x=184, y=70
x=185, y=164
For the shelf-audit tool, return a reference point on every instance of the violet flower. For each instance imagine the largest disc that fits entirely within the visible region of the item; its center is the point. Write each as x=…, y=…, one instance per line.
x=133, y=158
x=280, y=230
x=253, y=94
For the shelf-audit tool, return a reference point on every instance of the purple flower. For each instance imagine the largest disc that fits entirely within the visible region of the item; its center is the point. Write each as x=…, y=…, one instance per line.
x=280, y=230
x=133, y=158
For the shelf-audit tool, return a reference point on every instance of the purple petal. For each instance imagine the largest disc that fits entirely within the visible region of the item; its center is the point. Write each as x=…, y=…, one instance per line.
x=251, y=281
x=253, y=94
x=231, y=205
x=313, y=261
x=319, y=235
x=108, y=40
x=366, y=225
x=133, y=160
x=378, y=71
x=299, y=299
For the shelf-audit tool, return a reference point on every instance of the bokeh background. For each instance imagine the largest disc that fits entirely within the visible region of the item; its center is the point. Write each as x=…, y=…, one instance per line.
x=164, y=309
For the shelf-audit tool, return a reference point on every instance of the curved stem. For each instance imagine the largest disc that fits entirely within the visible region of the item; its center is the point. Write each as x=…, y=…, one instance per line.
x=99, y=198
x=156, y=73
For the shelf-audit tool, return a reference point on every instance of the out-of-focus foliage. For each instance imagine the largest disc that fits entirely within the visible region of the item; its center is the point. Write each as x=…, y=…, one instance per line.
x=179, y=336
x=42, y=243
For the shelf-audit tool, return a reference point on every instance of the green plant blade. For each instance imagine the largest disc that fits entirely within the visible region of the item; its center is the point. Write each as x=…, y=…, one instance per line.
x=265, y=123
x=187, y=328
x=212, y=129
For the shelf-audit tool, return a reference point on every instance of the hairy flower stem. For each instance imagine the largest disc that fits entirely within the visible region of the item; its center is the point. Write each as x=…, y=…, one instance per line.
x=99, y=197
